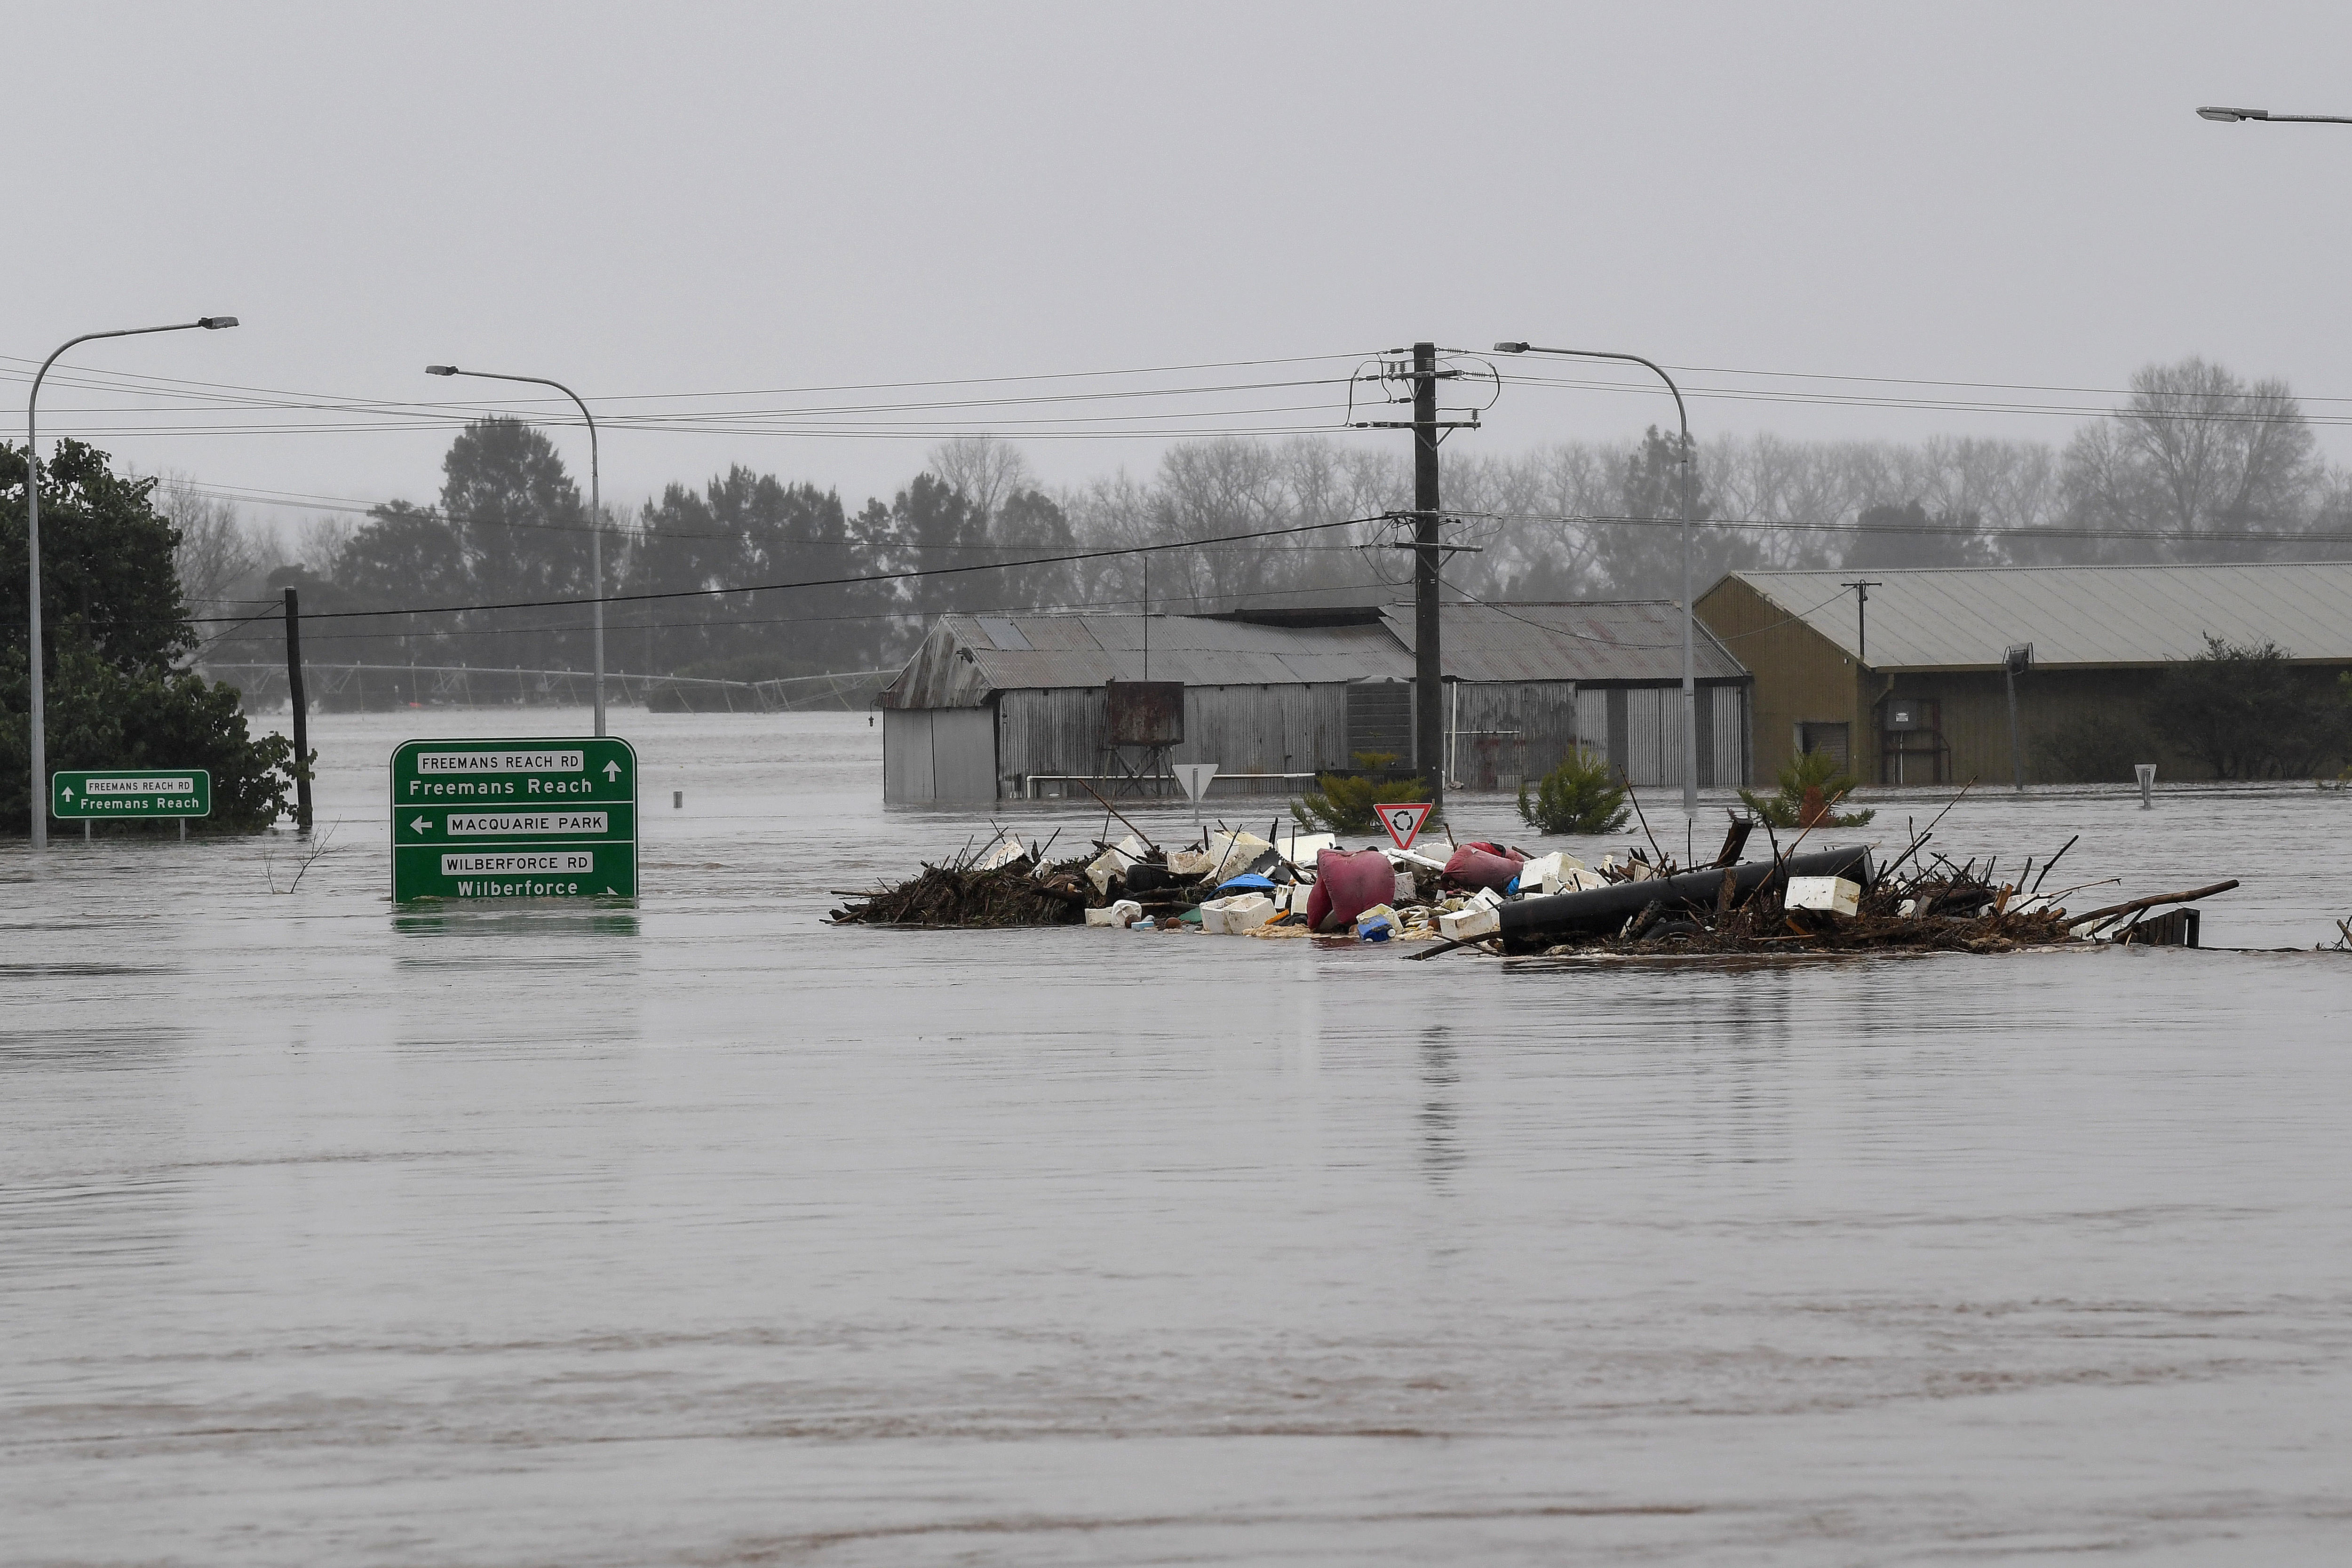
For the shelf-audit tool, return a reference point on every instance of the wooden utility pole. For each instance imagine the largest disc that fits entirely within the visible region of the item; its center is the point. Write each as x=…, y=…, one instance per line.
x=300, y=708
x=1428, y=661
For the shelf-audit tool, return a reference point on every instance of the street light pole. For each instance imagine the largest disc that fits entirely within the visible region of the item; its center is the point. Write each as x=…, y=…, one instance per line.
x=1690, y=679
x=38, y=714
x=2234, y=116
x=596, y=510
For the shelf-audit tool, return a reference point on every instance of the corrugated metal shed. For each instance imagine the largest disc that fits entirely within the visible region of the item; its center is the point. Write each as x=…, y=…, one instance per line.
x=1627, y=640
x=1962, y=617
x=967, y=657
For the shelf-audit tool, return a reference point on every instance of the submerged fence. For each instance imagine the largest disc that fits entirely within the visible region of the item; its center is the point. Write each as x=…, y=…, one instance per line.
x=385, y=686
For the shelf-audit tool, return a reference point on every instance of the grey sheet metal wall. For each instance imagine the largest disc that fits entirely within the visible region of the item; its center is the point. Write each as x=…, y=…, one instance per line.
x=1242, y=729
x=938, y=755
x=1637, y=728
x=1485, y=716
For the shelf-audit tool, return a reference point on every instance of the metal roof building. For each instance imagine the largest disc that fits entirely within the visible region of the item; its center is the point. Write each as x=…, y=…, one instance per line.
x=992, y=706
x=1963, y=617
x=1910, y=686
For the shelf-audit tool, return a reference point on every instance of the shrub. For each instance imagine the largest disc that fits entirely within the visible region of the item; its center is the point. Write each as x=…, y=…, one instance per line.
x=1344, y=802
x=2098, y=749
x=1578, y=796
x=118, y=630
x=2247, y=713
x=101, y=716
x=1808, y=784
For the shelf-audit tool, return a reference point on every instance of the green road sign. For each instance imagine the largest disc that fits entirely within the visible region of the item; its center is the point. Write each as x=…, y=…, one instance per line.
x=120, y=792
x=514, y=819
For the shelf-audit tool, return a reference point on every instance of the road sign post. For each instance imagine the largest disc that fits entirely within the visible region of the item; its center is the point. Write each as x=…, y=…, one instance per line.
x=1404, y=821
x=482, y=820
x=1195, y=777
x=119, y=795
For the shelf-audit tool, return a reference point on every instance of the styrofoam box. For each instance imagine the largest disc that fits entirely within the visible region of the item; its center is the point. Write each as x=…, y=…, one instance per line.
x=1833, y=893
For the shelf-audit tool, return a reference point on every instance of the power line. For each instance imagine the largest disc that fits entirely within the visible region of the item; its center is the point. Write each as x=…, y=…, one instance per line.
x=907, y=575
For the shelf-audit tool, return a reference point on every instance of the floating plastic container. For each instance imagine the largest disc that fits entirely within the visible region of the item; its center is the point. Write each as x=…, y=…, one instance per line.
x=1228, y=855
x=1301, y=851
x=1241, y=913
x=1116, y=861
x=1463, y=925
x=1118, y=914
x=1378, y=924
x=1835, y=894
x=1554, y=873
x=1003, y=853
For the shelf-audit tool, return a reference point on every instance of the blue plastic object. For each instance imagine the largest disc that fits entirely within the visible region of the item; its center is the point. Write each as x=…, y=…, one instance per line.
x=1247, y=882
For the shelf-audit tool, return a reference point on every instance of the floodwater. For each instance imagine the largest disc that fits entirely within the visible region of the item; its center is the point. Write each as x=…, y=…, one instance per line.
x=703, y=1234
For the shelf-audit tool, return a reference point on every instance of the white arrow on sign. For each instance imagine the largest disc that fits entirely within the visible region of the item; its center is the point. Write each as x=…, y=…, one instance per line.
x=420, y=824
x=611, y=772
x=69, y=791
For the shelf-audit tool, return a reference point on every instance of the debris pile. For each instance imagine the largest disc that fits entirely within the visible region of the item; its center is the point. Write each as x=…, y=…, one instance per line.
x=1836, y=902
x=1787, y=900
x=1011, y=884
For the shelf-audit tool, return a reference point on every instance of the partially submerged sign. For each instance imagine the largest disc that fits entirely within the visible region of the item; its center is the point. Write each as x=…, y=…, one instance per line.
x=514, y=819
x=1403, y=822
x=89, y=795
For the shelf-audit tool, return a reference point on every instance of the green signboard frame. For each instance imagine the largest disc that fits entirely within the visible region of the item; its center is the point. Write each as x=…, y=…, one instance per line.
x=486, y=820
x=129, y=795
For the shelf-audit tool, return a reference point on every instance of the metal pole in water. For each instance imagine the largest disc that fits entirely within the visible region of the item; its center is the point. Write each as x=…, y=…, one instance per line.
x=2146, y=772
x=299, y=709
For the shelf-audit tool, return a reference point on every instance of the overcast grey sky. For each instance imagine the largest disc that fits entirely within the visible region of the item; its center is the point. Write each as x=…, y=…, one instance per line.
x=703, y=199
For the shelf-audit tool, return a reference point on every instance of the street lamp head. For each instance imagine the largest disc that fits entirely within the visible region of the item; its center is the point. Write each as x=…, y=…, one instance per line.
x=214, y=323
x=1510, y=348
x=2232, y=116
x=440, y=370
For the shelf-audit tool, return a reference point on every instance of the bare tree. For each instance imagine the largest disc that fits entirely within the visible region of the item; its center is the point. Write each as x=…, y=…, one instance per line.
x=318, y=541
x=2195, y=455
x=985, y=471
x=216, y=546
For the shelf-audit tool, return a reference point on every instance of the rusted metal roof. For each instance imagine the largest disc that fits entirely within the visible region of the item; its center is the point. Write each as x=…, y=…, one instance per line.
x=1632, y=640
x=1962, y=617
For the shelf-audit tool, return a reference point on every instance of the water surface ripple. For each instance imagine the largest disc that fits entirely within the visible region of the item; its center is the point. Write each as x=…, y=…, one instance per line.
x=701, y=1234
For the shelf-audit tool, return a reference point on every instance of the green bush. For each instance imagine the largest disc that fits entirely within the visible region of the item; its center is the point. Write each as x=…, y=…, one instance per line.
x=117, y=630
x=2099, y=748
x=1816, y=771
x=1578, y=796
x=100, y=716
x=1344, y=804
x=2247, y=713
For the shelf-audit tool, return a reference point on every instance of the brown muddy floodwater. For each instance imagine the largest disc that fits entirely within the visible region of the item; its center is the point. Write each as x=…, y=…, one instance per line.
x=704, y=1234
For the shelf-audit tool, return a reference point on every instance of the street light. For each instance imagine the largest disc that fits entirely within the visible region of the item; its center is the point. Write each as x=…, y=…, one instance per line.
x=596, y=509
x=39, y=798
x=2233, y=116
x=1690, y=680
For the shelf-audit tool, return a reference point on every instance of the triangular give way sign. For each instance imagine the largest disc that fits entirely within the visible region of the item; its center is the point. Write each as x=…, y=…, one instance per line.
x=1403, y=822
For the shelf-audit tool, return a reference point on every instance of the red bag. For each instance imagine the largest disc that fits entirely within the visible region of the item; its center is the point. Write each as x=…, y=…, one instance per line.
x=1481, y=865
x=1346, y=886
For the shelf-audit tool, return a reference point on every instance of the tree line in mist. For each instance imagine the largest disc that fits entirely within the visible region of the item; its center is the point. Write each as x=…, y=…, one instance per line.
x=2193, y=463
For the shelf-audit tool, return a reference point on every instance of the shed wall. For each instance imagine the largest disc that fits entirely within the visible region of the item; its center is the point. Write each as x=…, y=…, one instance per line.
x=1639, y=730
x=1800, y=678
x=1242, y=729
x=1505, y=729
x=937, y=755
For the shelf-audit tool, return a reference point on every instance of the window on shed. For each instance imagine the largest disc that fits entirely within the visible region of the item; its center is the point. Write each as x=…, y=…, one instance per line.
x=1830, y=738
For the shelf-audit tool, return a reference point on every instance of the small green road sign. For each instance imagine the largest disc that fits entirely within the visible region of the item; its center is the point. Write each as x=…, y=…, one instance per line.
x=514, y=819
x=121, y=792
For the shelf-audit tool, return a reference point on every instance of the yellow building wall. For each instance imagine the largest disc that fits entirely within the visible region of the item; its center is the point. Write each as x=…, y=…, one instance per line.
x=1801, y=678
